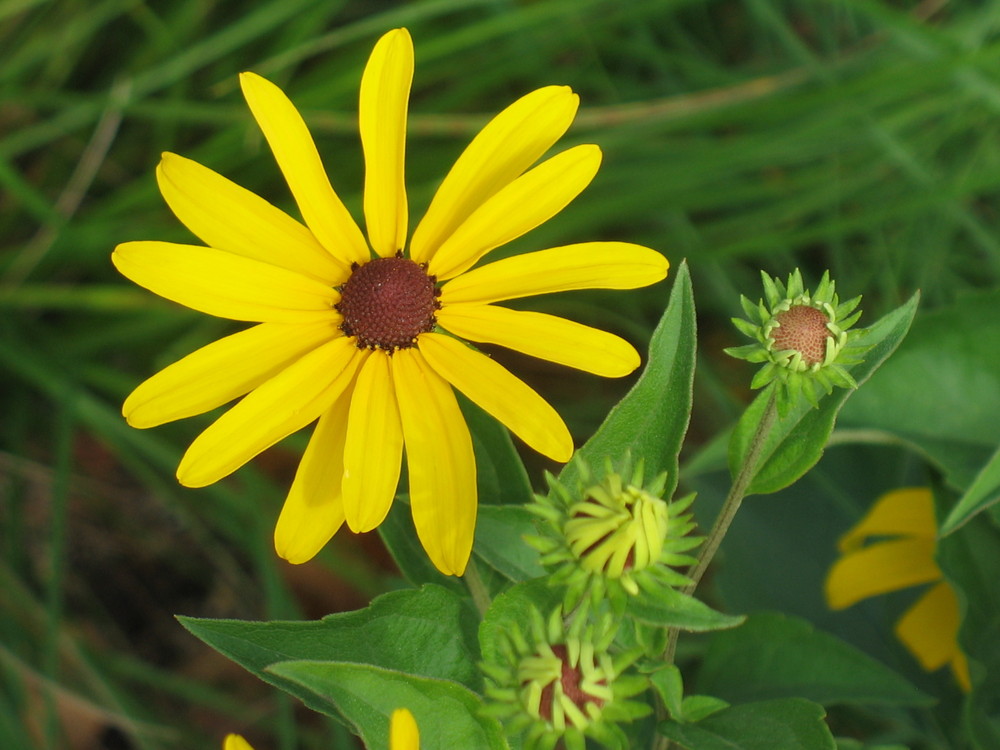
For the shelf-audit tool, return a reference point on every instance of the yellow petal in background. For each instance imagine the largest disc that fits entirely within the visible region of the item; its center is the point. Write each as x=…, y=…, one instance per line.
x=226, y=216
x=385, y=91
x=879, y=569
x=589, y=265
x=544, y=336
x=929, y=629
x=509, y=144
x=314, y=508
x=374, y=449
x=226, y=285
x=296, y=154
x=530, y=200
x=287, y=402
x=235, y=742
x=223, y=370
x=440, y=462
x=403, y=731
x=500, y=394
x=904, y=512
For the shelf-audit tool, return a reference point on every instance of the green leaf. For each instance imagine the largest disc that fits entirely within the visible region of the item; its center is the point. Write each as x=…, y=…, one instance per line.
x=669, y=686
x=698, y=707
x=672, y=609
x=787, y=724
x=847, y=743
x=936, y=390
x=777, y=656
x=513, y=609
x=500, y=541
x=425, y=632
x=500, y=474
x=984, y=492
x=652, y=419
x=400, y=538
x=447, y=714
x=796, y=441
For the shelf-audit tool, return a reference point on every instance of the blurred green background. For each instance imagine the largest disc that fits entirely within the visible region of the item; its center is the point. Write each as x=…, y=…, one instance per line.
x=854, y=135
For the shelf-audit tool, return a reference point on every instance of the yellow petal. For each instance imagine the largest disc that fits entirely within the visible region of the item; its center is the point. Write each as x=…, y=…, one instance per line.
x=509, y=144
x=544, y=336
x=226, y=285
x=879, y=569
x=403, y=731
x=235, y=742
x=500, y=394
x=589, y=265
x=960, y=669
x=904, y=512
x=314, y=508
x=226, y=216
x=299, y=161
x=223, y=370
x=385, y=90
x=439, y=460
x=287, y=402
x=531, y=199
x=929, y=629
x=374, y=448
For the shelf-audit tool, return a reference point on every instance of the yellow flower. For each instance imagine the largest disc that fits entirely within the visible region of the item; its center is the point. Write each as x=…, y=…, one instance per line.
x=403, y=734
x=367, y=337
x=928, y=629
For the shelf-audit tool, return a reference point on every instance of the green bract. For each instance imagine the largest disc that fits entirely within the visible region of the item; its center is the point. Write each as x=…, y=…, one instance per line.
x=802, y=336
x=554, y=683
x=606, y=539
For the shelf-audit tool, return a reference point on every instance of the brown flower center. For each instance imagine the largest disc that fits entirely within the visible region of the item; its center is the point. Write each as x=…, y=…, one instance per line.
x=571, y=678
x=802, y=328
x=387, y=303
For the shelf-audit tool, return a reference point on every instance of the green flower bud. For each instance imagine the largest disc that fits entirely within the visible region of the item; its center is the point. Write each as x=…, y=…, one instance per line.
x=607, y=539
x=551, y=684
x=802, y=337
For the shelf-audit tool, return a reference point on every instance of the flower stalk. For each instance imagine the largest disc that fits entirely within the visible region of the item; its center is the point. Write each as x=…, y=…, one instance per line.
x=730, y=507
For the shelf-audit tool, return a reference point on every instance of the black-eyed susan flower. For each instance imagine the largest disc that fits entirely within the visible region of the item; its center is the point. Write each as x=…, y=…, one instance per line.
x=403, y=734
x=802, y=337
x=369, y=336
x=607, y=538
x=903, y=523
x=550, y=685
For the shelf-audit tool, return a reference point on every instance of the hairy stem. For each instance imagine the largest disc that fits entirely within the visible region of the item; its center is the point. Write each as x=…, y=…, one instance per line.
x=722, y=523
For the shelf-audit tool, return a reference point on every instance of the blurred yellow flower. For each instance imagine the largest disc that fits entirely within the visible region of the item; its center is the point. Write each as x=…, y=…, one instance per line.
x=403, y=734
x=903, y=521
x=369, y=337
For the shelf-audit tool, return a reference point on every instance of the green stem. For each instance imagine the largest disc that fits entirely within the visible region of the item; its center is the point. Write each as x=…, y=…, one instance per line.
x=480, y=595
x=736, y=494
x=722, y=523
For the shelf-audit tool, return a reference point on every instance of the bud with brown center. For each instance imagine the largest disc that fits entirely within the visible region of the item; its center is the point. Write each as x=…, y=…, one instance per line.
x=569, y=687
x=557, y=680
x=802, y=328
x=387, y=303
x=802, y=338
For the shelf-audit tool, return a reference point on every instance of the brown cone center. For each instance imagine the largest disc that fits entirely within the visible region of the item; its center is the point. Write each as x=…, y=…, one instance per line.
x=387, y=303
x=802, y=328
x=571, y=678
